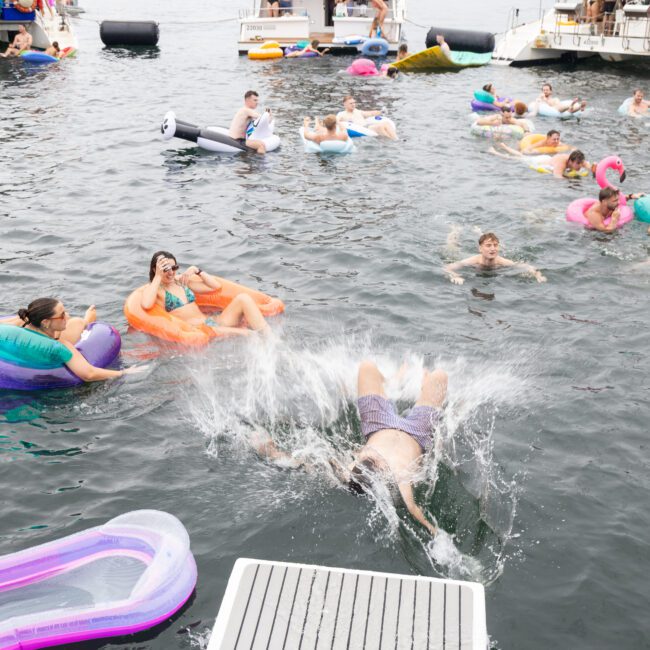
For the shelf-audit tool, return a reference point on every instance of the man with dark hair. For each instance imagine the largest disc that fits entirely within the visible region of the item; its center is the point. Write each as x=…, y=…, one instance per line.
x=395, y=444
x=638, y=105
x=605, y=208
x=552, y=140
x=243, y=117
x=573, y=106
x=489, y=258
x=561, y=165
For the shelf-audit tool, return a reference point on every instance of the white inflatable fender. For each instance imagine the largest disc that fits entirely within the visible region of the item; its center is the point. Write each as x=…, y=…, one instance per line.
x=329, y=146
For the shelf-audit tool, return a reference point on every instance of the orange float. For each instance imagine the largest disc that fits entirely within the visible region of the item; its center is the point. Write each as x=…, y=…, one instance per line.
x=23, y=9
x=164, y=325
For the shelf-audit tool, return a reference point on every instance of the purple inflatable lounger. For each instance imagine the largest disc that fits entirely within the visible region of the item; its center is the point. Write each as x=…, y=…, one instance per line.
x=120, y=578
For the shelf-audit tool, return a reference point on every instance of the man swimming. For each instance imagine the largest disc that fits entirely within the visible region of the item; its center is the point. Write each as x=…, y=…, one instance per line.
x=504, y=117
x=573, y=106
x=638, y=105
x=394, y=445
x=560, y=165
x=489, y=258
x=327, y=131
x=352, y=114
x=243, y=117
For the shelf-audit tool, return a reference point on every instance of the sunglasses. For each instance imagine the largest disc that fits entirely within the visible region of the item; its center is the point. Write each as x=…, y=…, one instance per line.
x=172, y=268
x=63, y=315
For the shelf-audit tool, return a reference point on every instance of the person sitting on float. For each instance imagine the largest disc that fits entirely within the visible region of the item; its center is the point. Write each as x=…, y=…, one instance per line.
x=560, y=164
x=444, y=47
x=54, y=50
x=638, y=105
x=327, y=131
x=607, y=207
x=352, y=114
x=22, y=41
x=310, y=47
x=48, y=317
x=175, y=293
x=553, y=141
x=489, y=258
x=243, y=117
x=574, y=106
x=505, y=117
x=489, y=88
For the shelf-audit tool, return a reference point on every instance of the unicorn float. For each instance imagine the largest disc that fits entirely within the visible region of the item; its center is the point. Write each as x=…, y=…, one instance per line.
x=576, y=211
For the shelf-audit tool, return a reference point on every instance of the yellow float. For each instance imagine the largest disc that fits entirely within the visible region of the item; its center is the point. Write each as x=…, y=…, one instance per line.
x=270, y=50
x=532, y=139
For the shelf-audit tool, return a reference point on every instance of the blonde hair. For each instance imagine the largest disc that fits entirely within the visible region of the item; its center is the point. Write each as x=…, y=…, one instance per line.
x=329, y=122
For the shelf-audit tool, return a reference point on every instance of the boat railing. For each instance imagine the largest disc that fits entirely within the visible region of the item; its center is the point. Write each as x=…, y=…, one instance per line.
x=296, y=9
x=517, y=18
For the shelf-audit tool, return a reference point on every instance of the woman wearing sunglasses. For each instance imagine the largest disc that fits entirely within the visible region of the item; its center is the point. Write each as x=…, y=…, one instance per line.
x=47, y=317
x=175, y=292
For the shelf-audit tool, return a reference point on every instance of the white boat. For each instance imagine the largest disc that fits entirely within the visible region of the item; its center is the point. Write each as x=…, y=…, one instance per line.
x=314, y=19
x=563, y=33
x=45, y=29
x=275, y=605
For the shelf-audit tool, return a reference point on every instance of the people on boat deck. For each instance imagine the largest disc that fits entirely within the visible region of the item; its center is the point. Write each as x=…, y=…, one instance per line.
x=402, y=52
x=175, y=293
x=552, y=140
x=573, y=106
x=394, y=444
x=504, y=117
x=310, y=47
x=560, y=165
x=54, y=50
x=273, y=9
x=377, y=26
x=326, y=131
x=638, y=105
x=341, y=9
x=22, y=41
x=243, y=117
x=285, y=7
x=489, y=88
x=352, y=114
x=48, y=317
x=489, y=258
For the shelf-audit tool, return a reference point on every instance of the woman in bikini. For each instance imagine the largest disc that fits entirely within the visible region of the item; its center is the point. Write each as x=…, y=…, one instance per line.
x=175, y=292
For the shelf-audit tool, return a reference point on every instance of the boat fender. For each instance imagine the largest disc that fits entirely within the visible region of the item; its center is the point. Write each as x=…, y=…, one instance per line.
x=127, y=33
x=25, y=6
x=462, y=40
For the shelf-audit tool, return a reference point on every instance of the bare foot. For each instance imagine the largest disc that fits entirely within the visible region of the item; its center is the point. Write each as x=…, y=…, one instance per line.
x=91, y=315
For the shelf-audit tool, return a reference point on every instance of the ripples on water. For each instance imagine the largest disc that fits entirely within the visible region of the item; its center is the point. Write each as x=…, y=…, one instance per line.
x=541, y=469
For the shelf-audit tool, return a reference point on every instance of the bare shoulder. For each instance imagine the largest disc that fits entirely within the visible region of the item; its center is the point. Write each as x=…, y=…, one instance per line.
x=504, y=261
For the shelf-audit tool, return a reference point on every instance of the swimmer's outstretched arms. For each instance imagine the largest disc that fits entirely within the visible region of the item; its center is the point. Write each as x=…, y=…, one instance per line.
x=489, y=258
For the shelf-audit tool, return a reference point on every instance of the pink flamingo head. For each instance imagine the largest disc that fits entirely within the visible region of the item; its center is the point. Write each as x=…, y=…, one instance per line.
x=611, y=162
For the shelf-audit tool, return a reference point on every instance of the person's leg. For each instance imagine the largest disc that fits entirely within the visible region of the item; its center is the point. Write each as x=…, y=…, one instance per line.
x=434, y=389
x=73, y=329
x=370, y=381
x=258, y=145
x=243, y=306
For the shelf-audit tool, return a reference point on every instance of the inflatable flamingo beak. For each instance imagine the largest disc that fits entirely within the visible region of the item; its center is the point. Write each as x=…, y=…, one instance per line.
x=623, y=175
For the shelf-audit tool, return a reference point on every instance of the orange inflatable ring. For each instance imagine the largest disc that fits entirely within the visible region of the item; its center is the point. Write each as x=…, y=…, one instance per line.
x=533, y=138
x=164, y=325
x=23, y=9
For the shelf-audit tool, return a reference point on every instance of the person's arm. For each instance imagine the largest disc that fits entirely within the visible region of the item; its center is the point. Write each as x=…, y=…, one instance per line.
x=370, y=113
x=199, y=281
x=30, y=40
x=529, y=268
x=451, y=269
x=598, y=223
x=87, y=372
x=150, y=292
x=307, y=134
x=559, y=167
x=12, y=320
x=406, y=490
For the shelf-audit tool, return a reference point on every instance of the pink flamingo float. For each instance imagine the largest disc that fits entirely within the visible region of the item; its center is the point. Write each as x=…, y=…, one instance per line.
x=577, y=209
x=365, y=68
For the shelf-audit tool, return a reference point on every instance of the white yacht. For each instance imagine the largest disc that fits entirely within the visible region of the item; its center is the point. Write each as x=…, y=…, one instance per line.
x=314, y=19
x=45, y=29
x=563, y=33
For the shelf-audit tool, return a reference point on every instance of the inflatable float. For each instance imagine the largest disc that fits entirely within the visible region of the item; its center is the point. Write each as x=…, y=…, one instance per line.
x=434, y=58
x=544, y=110
x=544, y=165
x=360, y=131
x=483, y=101
x=576, y=210
x=164, y=325
x=533, y=138
x=29, y=361
x=497, y=130
x=126, y=576
x=642, y=209
x=269, y=50
x=216, y=138
x=365, y=68
x=35, y=56
x=296, y=48
x=329, y=146
x=624, y=108
x=374, y=47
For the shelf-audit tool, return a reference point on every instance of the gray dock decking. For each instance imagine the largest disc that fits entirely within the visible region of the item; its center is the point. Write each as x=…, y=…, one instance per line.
x=274, y=605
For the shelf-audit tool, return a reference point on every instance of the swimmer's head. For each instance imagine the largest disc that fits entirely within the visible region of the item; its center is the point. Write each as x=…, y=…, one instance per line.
x=403, y=48
x=553, y=138
x=349, y=103
x=488, y=245
x=489, y=88
x=547, y=89
x=251, y=98
x=392, y=73
x=361, y=476
x=576, y=159
x=520, y=109
x=329, y=122
x=42, y=312
x=638, y=95
x=315, y=43
x=154, y=260
x=609, y=196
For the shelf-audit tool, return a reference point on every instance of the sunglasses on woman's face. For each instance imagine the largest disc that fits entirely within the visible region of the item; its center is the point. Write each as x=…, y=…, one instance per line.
x=172, y=268
x=63, y=314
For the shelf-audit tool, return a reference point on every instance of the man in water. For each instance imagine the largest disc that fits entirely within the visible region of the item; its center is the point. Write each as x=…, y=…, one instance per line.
x=560, y=165
x=402, y=52
x=489, y=258
x=638, y=105
x=327, y=131
x=505, y=117
x=547, y=98
x=22, y=41
x=552, y=140
x=607, y=207
x=352, y=114
x=243, y=117
x=394, y=444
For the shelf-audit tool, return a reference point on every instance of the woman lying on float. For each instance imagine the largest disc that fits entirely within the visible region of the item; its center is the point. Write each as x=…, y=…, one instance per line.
x=175, y=293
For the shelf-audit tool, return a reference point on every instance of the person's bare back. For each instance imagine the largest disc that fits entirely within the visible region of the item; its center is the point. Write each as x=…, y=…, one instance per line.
x=241, y=121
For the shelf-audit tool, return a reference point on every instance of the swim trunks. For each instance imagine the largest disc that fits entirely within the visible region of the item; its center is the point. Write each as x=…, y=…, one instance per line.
x=378, y=413
x=608, y=7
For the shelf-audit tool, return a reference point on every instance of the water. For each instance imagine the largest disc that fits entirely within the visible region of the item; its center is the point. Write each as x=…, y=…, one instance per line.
x=540, y=472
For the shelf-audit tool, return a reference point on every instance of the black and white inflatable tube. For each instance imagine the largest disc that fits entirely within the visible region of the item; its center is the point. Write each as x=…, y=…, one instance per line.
x=462, y=40
x=128, y=33
x=216, y=138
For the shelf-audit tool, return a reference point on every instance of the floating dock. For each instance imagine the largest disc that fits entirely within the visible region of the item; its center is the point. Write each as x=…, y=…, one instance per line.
x=274, y=605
